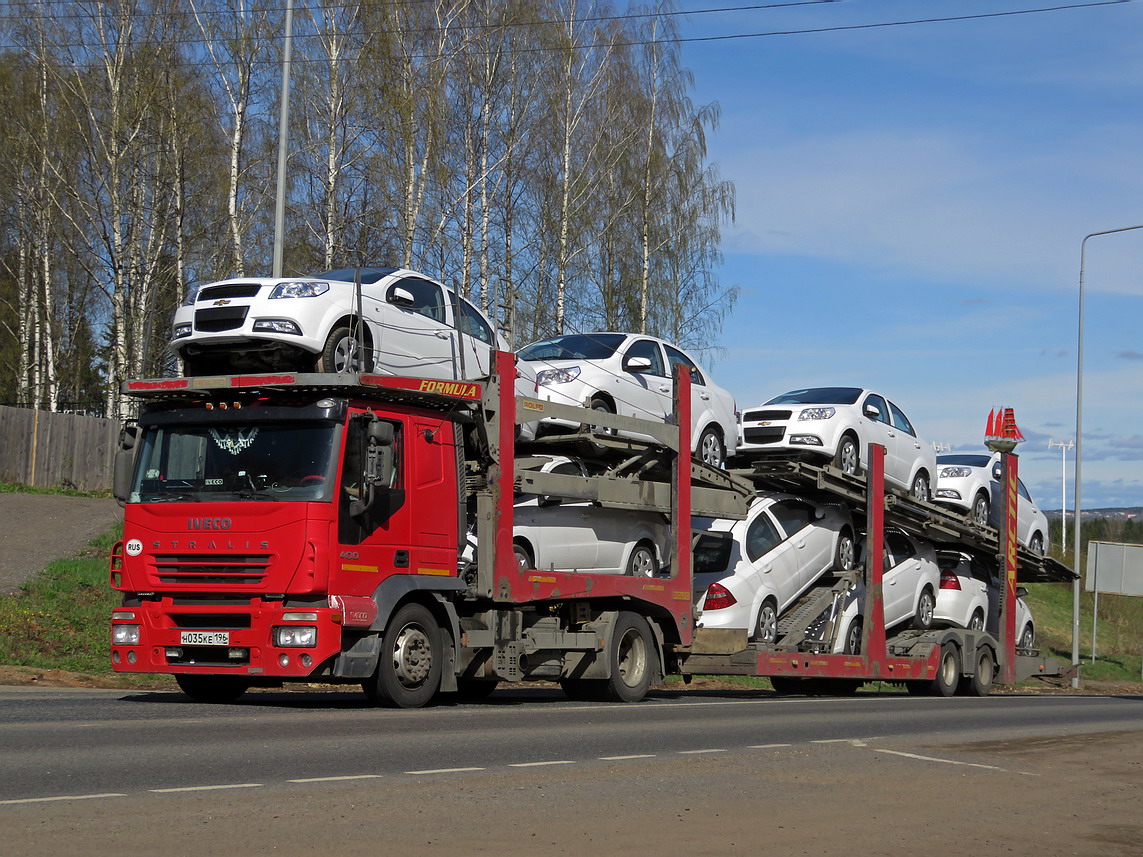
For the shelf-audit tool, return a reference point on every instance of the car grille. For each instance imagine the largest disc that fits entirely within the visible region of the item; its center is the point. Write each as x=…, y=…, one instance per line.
x=767, y=434
x=215, y=569
x=231, y=290
x=755, y=416
x=219, y=318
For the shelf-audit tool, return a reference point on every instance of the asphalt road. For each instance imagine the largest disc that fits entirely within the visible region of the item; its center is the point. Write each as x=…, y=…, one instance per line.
x=107, y=772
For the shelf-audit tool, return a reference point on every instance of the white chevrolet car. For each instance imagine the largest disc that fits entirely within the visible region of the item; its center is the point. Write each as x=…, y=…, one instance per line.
x=777, y=553
x=413, y=326
x=837, y=424
x=970, y=594
x=971, y=483
x=632, y=375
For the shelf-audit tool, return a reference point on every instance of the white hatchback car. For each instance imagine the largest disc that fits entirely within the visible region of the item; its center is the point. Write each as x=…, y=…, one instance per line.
x=837, y=424
x=969, y=597
x=909, y=587
x=632, y=375
x=413, y=326
x=550, y=533
x=782, y=548
x=971, y=483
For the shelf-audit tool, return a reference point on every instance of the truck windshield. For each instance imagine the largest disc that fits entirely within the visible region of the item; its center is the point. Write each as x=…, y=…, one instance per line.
x=269, y=461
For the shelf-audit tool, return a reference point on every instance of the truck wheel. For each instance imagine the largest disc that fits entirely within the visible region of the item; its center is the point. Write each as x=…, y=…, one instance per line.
x=784, y=685
x=948, y=672
x=980, y=682
x=343, y=353
x=642, y=562
x=631, y=652
x=409, y=670
x=926, y=604
x=212, y=688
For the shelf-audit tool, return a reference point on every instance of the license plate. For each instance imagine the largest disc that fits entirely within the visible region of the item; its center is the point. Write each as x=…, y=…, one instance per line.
x=204, y=638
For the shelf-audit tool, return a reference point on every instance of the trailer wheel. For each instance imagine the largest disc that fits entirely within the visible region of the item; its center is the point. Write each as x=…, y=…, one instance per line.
x=926, y=604
x=212, y=688
x=980, y=682
x=784, y=685
x=409, y=670
x=948, y=672
x=631, y=651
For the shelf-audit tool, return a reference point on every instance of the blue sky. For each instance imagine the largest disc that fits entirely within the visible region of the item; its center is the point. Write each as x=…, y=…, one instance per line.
x=910, y=206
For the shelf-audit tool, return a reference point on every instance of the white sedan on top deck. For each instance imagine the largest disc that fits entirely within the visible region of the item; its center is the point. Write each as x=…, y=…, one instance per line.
x=632, y=375
x=837, y=424
x=971, y=483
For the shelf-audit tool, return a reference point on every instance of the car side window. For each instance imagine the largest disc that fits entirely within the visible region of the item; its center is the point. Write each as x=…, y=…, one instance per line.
x=792, y=515
x=900, y=420
x=879, y=403
x=427, y=297
x=899, y=547
x=471, y=322
x=1022, y=491
x=677, y=358
x=649, y=349
x=761, y=537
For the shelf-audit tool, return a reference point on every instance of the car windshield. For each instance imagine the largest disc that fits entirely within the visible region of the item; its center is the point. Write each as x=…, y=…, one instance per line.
x=578, y=346
x=965, y=460
x=348, y=275
x=235, y=461
x=818, y=396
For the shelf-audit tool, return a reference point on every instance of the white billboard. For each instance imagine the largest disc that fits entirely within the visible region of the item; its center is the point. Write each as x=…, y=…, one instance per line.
x=1114, y=568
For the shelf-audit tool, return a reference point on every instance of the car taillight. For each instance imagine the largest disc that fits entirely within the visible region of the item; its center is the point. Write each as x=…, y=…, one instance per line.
x=717, y=597
x=949, y=580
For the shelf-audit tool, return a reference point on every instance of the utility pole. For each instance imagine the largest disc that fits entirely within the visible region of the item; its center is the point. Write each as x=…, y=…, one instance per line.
x=283, y=129
x=1063, y=447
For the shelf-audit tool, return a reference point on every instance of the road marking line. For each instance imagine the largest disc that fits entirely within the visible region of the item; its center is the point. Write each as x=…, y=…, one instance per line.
x=59, y=797
x=697, y=752
x=834, y=740
x=208, y=788
x=334, y=779
x=445, y=771
x=540, y=764
x=767, y=746
x=623, y=758
x=945, y=761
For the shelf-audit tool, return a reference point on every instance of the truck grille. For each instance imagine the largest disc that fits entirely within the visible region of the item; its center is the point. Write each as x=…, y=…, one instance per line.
x=220, y=318
x=233, y=290
x=210, y=621
x=769, y=434
x=194, y=569
x=755, y=416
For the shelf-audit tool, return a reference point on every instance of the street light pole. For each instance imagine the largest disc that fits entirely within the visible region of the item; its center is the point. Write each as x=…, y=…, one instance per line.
x=1077, y=543
x=283, y=129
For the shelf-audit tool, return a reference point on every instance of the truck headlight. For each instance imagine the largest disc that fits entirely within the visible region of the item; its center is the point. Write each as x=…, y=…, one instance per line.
x=295, y=636
x=298, y=289
x=125, y=635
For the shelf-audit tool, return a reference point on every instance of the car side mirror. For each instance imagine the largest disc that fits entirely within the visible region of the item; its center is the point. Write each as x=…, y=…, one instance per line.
x=996, y=472
x=400, y=297
x=1021, y=591
x=872, y=411
x=636, y=364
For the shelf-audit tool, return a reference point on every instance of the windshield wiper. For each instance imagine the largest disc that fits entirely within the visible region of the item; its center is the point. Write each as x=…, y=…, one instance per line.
x=170, y=498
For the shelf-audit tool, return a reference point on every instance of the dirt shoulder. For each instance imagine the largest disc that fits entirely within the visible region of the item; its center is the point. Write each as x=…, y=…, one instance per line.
x=40, y=528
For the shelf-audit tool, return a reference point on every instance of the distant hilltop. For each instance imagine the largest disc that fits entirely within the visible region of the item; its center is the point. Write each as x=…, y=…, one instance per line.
x=1128, y=513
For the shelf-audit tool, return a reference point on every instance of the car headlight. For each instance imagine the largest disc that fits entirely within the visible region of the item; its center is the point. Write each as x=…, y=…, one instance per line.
x=954, y=472
x=295, y=636
x=557, y=376
x=182, y=330
x=817, y=413
x=125, y=635
x=191, y=295
x=299, y=289
x=277, y=325
x=947, y=494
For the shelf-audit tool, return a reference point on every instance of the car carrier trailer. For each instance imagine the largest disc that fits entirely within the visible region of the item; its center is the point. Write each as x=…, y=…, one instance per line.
x=356, y=573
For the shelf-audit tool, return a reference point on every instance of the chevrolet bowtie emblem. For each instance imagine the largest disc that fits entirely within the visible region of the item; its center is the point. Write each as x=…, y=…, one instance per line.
x=222, y=302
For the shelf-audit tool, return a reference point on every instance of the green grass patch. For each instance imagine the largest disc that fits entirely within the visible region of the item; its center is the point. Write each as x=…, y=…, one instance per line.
x=15, y=488
x=60, y=618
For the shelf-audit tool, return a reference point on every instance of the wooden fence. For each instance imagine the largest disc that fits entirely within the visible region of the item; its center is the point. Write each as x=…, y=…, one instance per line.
x=51, y=450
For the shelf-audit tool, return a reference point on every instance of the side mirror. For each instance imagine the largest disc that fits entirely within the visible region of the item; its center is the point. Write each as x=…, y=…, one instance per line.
x=872, y=411
x=637, y=364
x=379, y=436
x=400, y=297
x=997, y=472
x=1021, y=591
x=124, y=467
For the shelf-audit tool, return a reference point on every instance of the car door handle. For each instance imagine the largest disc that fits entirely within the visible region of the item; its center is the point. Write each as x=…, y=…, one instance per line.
x=441, y=334
x=666, y=388
x=704, y=396
x=801, y=545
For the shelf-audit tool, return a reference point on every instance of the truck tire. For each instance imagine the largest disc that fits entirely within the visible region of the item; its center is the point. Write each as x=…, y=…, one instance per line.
x=947, y=678
x=980, y=682
x=632, y=657
x=409, y=668
x=784, y=685
x=212, y=688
